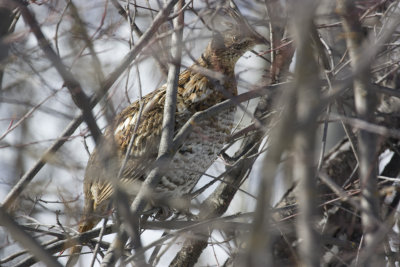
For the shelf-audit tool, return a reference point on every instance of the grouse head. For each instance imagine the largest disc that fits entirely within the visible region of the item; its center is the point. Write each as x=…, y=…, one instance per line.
x=232, y=37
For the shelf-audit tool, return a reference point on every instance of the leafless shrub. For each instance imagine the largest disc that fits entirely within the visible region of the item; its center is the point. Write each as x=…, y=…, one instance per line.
x=310, y=176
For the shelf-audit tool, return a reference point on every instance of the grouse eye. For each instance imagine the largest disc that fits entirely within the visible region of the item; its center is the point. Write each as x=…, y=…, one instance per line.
x=235, y=38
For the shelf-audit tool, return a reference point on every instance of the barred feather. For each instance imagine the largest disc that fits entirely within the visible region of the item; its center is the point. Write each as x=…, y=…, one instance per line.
x=195, y=93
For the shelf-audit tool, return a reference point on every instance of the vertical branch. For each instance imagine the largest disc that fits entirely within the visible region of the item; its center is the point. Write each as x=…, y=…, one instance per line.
x=365, y=103
x=167, y=134
x=277, y=25
x=304, y=167
x=6, y=19
x=165, y=150
x=259, y=252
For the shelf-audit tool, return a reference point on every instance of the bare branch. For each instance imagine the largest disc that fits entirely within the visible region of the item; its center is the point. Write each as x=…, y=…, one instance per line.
x=110, y=80
x=26, y=240
x=365, y=102
x=153, y=178
x=304, y=166
x=78, y=95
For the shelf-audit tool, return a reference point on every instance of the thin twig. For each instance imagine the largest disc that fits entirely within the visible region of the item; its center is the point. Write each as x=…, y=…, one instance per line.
x=26, y=240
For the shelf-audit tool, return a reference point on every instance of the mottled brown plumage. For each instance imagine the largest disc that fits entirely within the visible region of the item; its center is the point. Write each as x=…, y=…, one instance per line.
x=195, y=93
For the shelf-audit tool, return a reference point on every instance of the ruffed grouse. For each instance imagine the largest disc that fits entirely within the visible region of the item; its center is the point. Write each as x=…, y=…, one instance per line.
x=195, y=93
